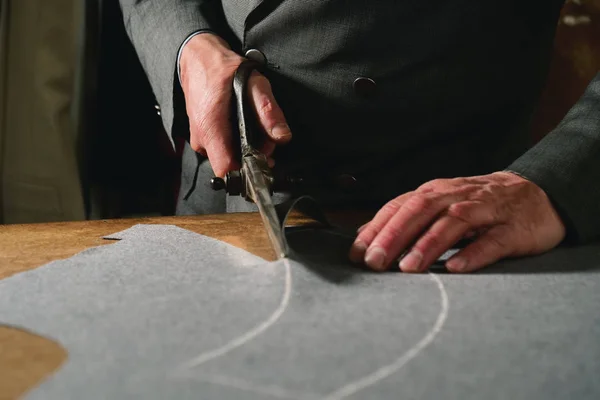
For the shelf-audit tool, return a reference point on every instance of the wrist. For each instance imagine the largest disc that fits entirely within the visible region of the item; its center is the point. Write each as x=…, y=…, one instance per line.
x=204, y=42
x=554, y=211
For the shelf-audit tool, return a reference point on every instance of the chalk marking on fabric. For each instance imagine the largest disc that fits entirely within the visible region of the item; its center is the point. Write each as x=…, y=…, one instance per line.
x=254, y=332
x=388, y=370
x=271, y=390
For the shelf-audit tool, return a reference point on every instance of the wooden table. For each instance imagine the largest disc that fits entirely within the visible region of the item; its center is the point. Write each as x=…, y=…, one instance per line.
x=27, y=359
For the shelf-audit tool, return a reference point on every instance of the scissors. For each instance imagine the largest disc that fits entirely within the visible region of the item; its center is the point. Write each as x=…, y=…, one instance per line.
x=255, y=180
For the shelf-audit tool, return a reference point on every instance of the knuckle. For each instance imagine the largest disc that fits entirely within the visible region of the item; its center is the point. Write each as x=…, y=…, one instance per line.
x=419, y=203
x=195, y=145
x=432, y=240
x=396, y=203
x=434, y=185
x=392, y=231
x=373, y=229
x=461, y=212
x=482, y=194
x=487, y=191
x=428, y=186
x=195, y=142
x=390, y=208
x=264, y=105
x=438, y=182
x=387, y=236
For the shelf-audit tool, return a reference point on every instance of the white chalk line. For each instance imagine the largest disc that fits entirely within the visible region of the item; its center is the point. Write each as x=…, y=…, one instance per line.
x=253, y=333
x=388, y=370
x=340, y=393
x=237, y=383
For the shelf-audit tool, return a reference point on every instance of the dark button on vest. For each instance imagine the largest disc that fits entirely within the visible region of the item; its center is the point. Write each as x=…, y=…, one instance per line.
x=256, y=55
x=345, y=182
x=364, y=87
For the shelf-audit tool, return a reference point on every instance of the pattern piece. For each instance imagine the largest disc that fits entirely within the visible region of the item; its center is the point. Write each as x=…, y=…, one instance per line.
x=167, y=313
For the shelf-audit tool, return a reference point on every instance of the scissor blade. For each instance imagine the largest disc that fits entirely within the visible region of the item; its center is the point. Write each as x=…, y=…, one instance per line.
x=262, y=197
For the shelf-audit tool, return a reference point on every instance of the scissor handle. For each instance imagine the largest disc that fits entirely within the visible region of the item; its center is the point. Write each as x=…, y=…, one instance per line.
x=249, y=138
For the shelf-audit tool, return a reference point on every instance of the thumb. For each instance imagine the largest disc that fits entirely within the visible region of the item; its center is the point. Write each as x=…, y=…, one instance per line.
x=269, y=114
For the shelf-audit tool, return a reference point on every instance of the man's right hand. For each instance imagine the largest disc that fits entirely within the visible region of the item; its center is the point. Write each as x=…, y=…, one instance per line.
x=207, y=67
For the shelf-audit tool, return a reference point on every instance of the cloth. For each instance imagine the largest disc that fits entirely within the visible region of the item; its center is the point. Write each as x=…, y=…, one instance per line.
x=571, y=174
x=167, y=313
x=455, y=84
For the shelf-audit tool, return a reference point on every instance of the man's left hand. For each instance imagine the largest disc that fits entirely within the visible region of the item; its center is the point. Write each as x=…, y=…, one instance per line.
x=505, y=214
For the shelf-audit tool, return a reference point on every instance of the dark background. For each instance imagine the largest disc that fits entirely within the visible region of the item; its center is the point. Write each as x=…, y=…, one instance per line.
x=130, y=166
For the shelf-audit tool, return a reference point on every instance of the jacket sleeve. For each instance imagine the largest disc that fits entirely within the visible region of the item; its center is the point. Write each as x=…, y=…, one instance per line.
x=566, y=165
x=157, y=29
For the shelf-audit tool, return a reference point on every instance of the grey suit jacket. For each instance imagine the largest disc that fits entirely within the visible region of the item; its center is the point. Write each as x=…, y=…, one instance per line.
x=448, y=90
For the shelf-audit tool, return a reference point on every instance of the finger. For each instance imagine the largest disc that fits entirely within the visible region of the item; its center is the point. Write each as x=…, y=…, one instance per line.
x=444, y=232
x=413, y=217
x=460, y=220
x=362, y=227
x=470, y=234
x=370, y=230
x=219, y=149
x=210, y=134
x=196, y=142
x=268, y=147
x=198, y=148
x=493, y=245
x=269, y=114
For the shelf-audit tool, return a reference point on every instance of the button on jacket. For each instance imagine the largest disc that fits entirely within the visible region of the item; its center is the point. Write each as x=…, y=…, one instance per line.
x=393, y=93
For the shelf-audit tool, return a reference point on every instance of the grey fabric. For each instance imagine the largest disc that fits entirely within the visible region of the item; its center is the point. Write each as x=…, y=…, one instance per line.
x=167, y=313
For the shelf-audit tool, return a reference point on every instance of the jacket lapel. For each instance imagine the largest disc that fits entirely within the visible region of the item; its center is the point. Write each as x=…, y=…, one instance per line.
x=262, y=8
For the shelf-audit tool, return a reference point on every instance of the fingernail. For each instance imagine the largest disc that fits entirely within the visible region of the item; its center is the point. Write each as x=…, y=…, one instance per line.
x=411, y=261
x=457, y=264
x=357, y=251
x=281, y=131
x=359, y=230
x=375, y=258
